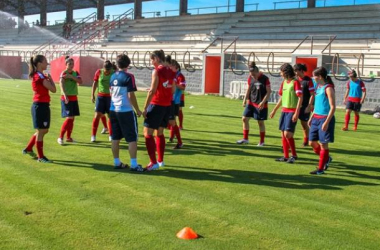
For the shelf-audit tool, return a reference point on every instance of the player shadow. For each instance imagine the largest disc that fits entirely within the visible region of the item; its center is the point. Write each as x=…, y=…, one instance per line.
x=287, y=181
x=238, y=134
x=357, y=152
x=214, y=115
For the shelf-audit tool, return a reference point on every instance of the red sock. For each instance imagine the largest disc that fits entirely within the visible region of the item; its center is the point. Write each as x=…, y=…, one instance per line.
x=262, y=137
x=31, y=143
x=180, y=118
x=323, y=158
x=109, y=127
x=285, y=147
x=356, y=120
x=292, y=146
x=151, y=148
x=177, y=134
x=40, y=150
x=64, y=128
x=245, y=134
x=346, y=120
x=104, y=121
x=95, y=125
x=305, y=140
x=160, y=146
x=172, y=132
x=70, y=127
x=317, y=150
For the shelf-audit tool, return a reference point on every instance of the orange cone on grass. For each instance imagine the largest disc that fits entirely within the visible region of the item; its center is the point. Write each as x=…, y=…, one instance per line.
x=187, y=234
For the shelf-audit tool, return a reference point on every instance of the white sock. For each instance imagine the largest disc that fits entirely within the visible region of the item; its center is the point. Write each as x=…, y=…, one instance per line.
x=116, y=161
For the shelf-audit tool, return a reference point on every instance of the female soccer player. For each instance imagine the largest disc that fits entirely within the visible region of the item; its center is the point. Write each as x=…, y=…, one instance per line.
x=308, y=99
x=291, y=101
x=180, y=112
x=322, y=123
x=180, y=87
x=354, y=98
x=70, y=79
x=256, y=103
x=157, y=109
x=103, y=100
x=123, y=118
x=41, y=85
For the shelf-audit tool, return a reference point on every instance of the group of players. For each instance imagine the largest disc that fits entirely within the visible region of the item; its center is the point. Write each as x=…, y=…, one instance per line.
x=310, y=100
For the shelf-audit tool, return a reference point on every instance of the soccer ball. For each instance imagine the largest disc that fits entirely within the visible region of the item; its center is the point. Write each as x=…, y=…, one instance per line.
x=376, y=115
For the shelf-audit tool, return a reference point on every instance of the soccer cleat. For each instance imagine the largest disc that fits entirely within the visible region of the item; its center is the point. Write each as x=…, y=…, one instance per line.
x=317, y=172
x=180, y=128
x=60, y=141
x=327, y=163
x=282, y=159
x=44, y=160
x=110, y=138
x=121, y=166
x=292, y=159
x=305, y=144
x=71, y=140
x=242, y=141
x=93, y=138
x=261, y=144
x=170, y=140
x=30, y=153
x=152, y=167
x=344, y=128
x=104, y=131
x=161, y=164
x=355, y=128
x=178, y=146
x=138, y=168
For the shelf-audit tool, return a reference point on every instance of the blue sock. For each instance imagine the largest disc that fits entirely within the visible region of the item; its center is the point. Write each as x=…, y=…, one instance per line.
x=133, y=162
x=116, y=161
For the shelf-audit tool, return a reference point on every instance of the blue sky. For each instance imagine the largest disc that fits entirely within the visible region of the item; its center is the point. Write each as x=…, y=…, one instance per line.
x=174, y=5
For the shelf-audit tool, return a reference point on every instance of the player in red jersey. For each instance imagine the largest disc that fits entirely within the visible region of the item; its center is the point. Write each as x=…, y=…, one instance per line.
x=157, y=109
x=41, y=85
x=70, y=79
x=291, y=100
x=308, y=99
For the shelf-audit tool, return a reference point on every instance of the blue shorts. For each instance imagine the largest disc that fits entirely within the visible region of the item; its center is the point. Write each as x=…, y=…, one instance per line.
x=286, y=123
x=182, y=104
x=354, y=106
x=41, y=115
x=256, y=113
x=103, y=104
x=317, y=134
x=70, y=109
x=174, y=111
x=304, y=116
x=124, y=125
x=157, y=116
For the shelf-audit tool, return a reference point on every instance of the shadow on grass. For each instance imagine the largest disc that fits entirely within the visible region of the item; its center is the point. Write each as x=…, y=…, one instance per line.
x=239, y=135
x=219, y=116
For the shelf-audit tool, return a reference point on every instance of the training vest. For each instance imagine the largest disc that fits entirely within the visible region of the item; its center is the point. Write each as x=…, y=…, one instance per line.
x=104, y=82
x=322, y=105
x=355, y=89
x=289, y=96
x=71, y=87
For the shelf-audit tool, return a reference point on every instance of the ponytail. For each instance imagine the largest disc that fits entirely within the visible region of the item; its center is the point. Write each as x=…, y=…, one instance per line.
x=321, y=71
x=33, y=62
x=253, y=67
x=160, y=54
x=176, y=65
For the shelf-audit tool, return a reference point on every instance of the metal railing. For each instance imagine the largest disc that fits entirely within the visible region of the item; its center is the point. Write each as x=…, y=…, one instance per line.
x=311, y=37
x=300, y=1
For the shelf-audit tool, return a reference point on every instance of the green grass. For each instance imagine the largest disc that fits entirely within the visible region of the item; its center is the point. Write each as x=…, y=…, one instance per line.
x=235, y=196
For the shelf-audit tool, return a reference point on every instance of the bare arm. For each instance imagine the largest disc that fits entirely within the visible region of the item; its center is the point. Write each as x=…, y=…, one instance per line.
x=76, y=79
x=363, y=97
x=278, y=105
x=246, y=97
x=152, y=91
x=94, y=87
x=311, y=104
x=63, y=91
x=331, y=95
x=132, y=98
x=299, y=104
x=345, y=96
x=50, y=85
x=266, y=97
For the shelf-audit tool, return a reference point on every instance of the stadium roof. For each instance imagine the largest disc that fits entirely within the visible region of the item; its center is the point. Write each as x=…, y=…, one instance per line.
x=32, y=7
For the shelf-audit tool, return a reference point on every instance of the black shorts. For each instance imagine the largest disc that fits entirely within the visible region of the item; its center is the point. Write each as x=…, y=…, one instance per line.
x=354, y=106
x=256, y=113
x=174, y=111
x=124, y=125
x=103, y=104
x=286, y=123
x=41, y=115
x=182, y=104
x=70, y=109
x=304, y=116
x=157, y=116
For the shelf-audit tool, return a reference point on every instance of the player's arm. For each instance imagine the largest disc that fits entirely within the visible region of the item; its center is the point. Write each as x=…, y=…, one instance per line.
x=278, y=105
x=331, y=95
x=132, y=98
x=266, y=97
x=63, y=91
x=152, y=91
x=298, y=91
x=246, y=97
x=346, y=94
x=364, y=93
x=94, y=87
x=310, y=106
x=77, y=78
x=49, y=84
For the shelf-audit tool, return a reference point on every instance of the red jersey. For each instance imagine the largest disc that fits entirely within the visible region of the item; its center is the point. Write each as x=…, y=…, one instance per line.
x=164, y=95
x=41, y=94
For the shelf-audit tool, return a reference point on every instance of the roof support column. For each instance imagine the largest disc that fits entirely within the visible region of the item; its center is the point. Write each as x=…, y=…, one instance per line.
x=311, y=3
x=100, y=6
x=183, y=7
x=239, y=5
x=138, y=9
x=70, y=11
x=43, y=15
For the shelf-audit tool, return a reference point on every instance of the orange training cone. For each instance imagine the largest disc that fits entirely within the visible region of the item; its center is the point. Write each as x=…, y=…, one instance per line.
x=187, y=234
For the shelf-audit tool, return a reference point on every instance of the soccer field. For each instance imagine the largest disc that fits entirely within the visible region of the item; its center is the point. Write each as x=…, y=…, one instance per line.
x=235, y=196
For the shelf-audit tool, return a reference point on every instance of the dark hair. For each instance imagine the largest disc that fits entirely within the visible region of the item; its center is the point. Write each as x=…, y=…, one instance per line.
x=34, y=60
x=287, y=70
x=68, y=59
x=321, y=71
x=160, y=54
x=108, y=65
x=123, y=61
x=353, y=73
x=176, y=64
x=114, y=67
x=253, y=67
x=300, y=67
x=168, y=59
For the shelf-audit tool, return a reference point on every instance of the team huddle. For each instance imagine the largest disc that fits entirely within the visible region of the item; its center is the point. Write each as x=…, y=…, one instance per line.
x=310, y=100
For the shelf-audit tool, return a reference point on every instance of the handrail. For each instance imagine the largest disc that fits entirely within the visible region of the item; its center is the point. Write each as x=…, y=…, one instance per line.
x=361, y=57
x=221, y=38
x=233, y=42
x=329, y=45
x=331, y=40
x=138, y=59
x=148, y=66
x=271, y=54
x=236, y=72
x=188, y=66
x=295, y=1
x=213, y=7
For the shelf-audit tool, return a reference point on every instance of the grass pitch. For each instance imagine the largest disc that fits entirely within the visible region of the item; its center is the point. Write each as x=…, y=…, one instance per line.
x=235, y=196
